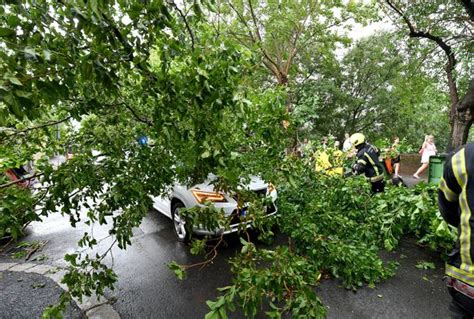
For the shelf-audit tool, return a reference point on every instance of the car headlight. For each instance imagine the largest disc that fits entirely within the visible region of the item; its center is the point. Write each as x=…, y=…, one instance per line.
x=270, y=188
x=202, y=196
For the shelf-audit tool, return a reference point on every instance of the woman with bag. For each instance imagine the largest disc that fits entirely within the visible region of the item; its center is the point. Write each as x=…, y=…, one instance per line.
x=427, y=150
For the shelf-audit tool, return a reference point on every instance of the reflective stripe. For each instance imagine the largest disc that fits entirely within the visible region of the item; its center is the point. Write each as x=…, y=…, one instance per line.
x=362, y=162
x=448, y=193
x=376, y=178
x=465, y=238
x=459, y=168
x=376, y=169
x=460, y=274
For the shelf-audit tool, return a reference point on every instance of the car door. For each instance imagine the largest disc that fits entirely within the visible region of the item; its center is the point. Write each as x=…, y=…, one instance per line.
x=162, y=204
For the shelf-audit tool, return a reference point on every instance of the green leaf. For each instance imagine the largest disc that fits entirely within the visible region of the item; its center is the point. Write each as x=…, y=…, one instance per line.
x=223, y=313
x=214, y=314
x=30, y=52
x=22, y=93
x=13, y=21
x=388, y=244
x=178, y=270
x=94, y=6
x=5, y=32
x=47, y=55
x=14, y=80
x=425, y=265
x=292, y=181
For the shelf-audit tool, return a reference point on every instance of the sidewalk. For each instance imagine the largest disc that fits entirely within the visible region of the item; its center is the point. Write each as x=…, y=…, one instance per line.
x=27, y=289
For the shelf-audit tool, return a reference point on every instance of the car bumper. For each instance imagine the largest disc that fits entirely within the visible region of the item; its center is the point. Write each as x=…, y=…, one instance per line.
x=234, y=227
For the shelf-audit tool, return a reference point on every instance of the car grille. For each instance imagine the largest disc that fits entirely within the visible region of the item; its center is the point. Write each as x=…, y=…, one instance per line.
x=271, y=208
x=235, y=219
x=261, y=192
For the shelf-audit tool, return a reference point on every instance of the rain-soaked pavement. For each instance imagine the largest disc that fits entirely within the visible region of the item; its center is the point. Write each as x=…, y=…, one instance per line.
x=147, y=289
x=26, y=295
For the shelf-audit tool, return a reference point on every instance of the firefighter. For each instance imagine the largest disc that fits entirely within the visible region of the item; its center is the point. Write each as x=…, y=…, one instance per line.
x=456, y=204
x=368, y=162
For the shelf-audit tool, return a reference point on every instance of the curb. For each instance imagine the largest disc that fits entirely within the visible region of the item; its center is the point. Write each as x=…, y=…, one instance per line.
x=94, y=307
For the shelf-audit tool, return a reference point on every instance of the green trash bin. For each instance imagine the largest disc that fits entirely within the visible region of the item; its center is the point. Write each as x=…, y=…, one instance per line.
x=436, y=168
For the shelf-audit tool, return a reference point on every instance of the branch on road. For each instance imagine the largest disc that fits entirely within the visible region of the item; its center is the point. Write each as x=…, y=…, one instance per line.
x=208, y=260
x=110, y=301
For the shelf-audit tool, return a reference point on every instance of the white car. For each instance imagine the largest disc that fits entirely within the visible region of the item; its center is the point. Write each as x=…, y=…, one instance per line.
x=182, y=196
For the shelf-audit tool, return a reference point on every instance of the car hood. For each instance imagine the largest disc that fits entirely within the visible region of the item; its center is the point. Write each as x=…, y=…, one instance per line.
x=256, y=183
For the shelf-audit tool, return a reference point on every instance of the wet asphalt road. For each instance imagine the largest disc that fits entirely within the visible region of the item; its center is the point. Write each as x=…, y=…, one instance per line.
x=147, y=289
x=411, y=293
x=26, y=295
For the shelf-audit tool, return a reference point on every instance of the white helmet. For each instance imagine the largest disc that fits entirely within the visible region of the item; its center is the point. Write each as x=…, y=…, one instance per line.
x=357, y=139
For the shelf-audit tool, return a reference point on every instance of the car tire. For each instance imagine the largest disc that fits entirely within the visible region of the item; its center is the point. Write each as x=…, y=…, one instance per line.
x=179, y=225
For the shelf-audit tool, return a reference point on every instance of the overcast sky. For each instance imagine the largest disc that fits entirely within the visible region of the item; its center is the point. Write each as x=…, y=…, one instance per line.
x=360, y=31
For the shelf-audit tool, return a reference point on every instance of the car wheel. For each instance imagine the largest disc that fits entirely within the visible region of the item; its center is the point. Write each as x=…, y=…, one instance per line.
x=179, y=224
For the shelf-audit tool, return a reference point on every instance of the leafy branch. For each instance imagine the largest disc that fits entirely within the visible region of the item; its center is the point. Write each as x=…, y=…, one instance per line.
x=50, y=123
x=24, y=179
x=186, y=23
x=207, y=260
x=450, y=65
x=138, y=117
x=469, y=6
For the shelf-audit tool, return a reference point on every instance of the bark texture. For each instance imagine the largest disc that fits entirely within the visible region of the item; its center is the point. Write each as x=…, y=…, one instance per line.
x=462, y=118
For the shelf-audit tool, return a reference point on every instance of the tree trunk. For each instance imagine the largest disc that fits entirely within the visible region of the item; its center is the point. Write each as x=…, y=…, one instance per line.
x=459, y=131
x=283, y=79
x=462, y=117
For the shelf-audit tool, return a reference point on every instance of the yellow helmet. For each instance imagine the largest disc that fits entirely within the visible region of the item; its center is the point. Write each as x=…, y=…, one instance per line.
x=357, y=139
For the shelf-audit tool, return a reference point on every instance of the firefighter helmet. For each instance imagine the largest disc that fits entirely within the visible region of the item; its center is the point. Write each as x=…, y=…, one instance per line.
x=357, y=139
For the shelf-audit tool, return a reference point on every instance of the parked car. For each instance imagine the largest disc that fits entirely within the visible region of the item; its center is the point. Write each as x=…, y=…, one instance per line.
x=184, y=197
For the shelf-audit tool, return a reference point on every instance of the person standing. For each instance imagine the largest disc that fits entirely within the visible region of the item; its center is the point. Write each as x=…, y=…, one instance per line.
x=305, y=148
x=456, y=204
x=346, y=145
x=324, y=142
x=368, y=162
x=395, y=156
x=428, y=149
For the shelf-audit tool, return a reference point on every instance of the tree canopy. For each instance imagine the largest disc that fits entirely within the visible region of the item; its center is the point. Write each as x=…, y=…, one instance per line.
x=447, y=30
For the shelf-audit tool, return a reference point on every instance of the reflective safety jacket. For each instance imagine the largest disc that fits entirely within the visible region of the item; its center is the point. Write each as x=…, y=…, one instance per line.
x=368, y=163
x=329, y=161
x=456, y=204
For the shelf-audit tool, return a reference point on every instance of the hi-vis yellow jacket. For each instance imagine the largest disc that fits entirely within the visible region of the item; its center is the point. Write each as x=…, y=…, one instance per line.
x=329, y=162
x=456, y=203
